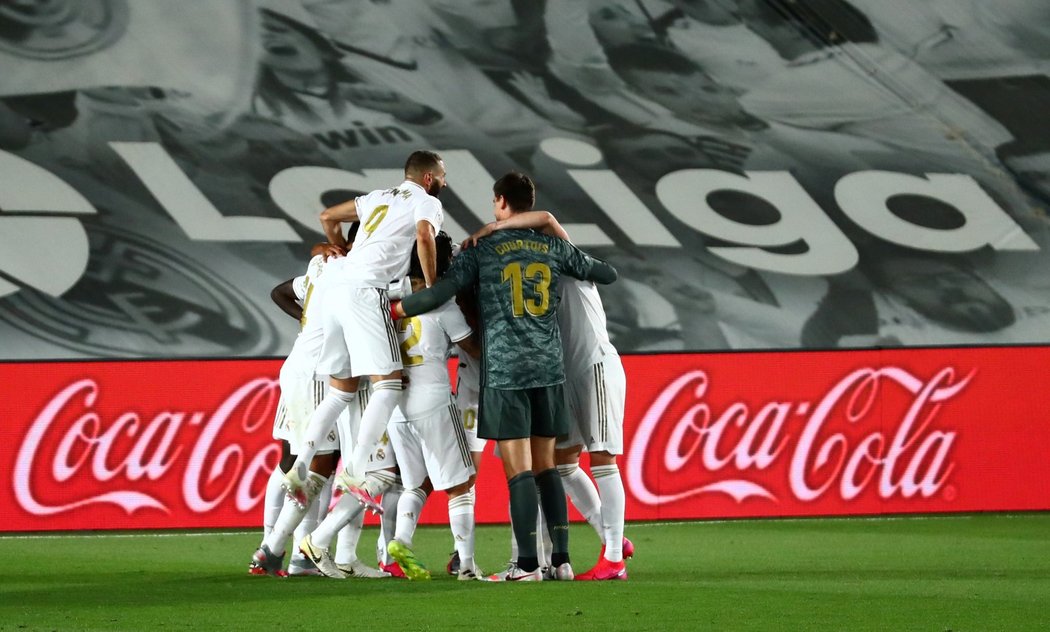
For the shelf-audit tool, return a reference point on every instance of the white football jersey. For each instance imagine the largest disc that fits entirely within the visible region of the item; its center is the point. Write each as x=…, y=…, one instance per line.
x=307, y=346
x=581, y=318
x=426, y=344
x=383, y=245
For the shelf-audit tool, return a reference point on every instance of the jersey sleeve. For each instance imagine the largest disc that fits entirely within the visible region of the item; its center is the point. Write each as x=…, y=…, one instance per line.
x=453, y=322
x=580, y=265
x=299, y=287
x=430, y=210
x=461, y=274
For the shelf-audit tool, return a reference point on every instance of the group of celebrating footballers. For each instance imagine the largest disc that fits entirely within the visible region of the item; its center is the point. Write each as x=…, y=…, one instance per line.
x=537, y=374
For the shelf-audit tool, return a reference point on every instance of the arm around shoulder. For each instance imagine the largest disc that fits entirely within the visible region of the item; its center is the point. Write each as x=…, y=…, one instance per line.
x=334, y=216
x=602, y=273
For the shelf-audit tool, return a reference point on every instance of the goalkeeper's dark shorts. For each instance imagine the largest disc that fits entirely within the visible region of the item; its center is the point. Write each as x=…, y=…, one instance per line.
x=521, y=413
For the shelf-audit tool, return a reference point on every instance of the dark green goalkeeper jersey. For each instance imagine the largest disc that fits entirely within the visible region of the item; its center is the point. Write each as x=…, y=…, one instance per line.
x=517, y=274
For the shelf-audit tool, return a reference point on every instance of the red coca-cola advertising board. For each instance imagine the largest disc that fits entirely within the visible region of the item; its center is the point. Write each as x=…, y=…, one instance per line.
x=186, y=444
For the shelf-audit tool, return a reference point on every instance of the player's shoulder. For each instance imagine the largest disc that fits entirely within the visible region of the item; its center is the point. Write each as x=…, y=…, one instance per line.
x=316, y=264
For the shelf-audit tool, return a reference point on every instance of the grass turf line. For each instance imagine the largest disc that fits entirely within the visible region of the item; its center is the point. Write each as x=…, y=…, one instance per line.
x=986, y=572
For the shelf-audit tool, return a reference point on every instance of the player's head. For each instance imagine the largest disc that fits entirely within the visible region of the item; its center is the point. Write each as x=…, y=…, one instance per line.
x=513, y=193
x=427, y=169
x=444, y=257
x=943, y=289
x=675, y=82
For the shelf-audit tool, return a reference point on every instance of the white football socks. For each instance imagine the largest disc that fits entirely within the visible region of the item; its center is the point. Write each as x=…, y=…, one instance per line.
x=583, y=494
x=347, y=539
x=292, y=515
x=318, y=510
x=461, y=521
x=273, y=500
x=322, y=421
x=381, y=403
x=409, y=507
x=614, y=502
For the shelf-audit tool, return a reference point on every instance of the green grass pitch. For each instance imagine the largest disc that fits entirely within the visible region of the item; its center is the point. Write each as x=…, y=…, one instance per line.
x=958, y=573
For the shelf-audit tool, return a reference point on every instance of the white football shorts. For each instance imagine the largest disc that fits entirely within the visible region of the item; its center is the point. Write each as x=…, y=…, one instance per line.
x=433, y=446
x=359, y=336
x=467, y=403
x=595, y=400
x=300, y=395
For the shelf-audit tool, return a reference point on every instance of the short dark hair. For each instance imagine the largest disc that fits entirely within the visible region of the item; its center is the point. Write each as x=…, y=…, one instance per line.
x=421, y=161
x=517, y=189
x=444, y=257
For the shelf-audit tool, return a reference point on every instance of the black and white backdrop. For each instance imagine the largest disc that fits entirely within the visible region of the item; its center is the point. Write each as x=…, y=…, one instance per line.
x=766, y=174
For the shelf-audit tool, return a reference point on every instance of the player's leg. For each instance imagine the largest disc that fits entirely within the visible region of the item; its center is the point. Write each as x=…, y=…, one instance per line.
x=375, y=351
x=605, y=444
x=299, y=564
x=524, y=509
x=552, y=500
x=273, y=497
x=549, y=420
x=462, y=523
x=506, y=417
x=316, y=545
x=320, y=428
x=383, y=458
x=467, y=405
x=274, y=494
x=408, y=445
x=293, y=512
x=333, y=360
x=449, y=466
x=578, y=486
x=300, y=394
x=399, y=546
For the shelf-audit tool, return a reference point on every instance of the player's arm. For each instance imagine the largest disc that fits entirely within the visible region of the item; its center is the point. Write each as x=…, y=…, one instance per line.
x=470, y=345
x=580, y=265
x=284, y=296
x=333, y=217
x=461, y=274
x=543, y=221
x=601, y=272
x=426, y=248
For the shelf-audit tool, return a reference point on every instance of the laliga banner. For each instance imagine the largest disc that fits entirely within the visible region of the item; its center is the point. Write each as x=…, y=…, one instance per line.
x=187, y=444
x=764, y=174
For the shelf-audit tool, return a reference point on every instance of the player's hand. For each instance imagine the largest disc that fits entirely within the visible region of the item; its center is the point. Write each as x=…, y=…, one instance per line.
x=396, y=311
x=327, y=251
x=481, y=233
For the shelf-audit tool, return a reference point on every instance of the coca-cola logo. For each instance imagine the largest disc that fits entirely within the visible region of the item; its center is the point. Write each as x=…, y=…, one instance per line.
x=81, y=459
x=876, y=428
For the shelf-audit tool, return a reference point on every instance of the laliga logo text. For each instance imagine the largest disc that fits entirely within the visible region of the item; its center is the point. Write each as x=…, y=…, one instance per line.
x=911, y=458
x=87, y=452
